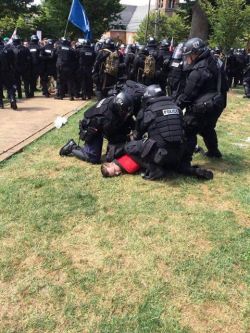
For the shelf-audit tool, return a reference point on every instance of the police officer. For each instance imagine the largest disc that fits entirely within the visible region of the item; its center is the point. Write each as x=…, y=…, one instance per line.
x=66, y=66
x=201, y=97
x=34, y=48
x=176, y=73
x=7, y=74
x=160, y=140
x=106, y=68
x=110, y=118
x=162, y=122
x=240, y=65
x=163, y=63
x=23, y=67
x=48, y=65
x=139, y=64
x=231, y=68
x=86, y=59
x=246, y=80
x=129, y=60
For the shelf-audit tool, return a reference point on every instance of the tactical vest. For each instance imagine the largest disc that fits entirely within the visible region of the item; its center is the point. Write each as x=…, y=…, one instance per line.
x=87, y=57
x=112, y=63
x=35, y=50
x=164, y=121
x=149, y=67
x=100, y=109
x=22, y=58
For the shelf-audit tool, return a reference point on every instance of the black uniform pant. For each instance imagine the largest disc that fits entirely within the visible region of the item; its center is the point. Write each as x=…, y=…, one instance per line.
x=33, y=80
x=7, y=82
x=86, y=82
x=65, y=81
x=246, y=84
x=25, y=77
x=204, y=125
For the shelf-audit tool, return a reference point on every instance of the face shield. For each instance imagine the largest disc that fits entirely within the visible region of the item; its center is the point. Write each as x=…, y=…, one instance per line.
x=177, y=55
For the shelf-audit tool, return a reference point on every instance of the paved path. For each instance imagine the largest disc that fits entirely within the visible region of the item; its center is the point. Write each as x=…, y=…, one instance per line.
x=34, y=117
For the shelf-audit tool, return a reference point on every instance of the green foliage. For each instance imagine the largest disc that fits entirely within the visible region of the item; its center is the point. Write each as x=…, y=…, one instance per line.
x=167, y=27
x=14, y=8
x=229, y=21
x=53, y=17
x=17, y=14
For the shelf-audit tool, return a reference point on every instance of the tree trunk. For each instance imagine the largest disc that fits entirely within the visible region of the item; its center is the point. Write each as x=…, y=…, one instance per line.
x=199, y=26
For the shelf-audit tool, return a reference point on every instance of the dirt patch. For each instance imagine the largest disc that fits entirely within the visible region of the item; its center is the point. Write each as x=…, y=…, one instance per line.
x=211, y=317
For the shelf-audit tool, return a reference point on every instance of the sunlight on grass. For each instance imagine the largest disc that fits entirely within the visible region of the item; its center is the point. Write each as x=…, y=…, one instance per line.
x=80, y=253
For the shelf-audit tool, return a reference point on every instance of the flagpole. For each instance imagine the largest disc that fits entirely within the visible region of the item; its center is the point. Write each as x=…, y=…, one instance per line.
x=146, y=34
x=66, y=28
x=68, y=19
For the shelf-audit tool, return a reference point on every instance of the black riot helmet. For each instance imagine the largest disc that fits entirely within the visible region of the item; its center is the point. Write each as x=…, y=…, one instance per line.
x=194, y=46
x=124, y=104
x=109, y=44
x=217, y=50
x=50, y=42
x=16, y=40
x=152, y=42
x=65, y=41
x=143, y=50
x=164, y=44
x=86, y=42
x=34, y=39
x=154, y=90
x=131, y=48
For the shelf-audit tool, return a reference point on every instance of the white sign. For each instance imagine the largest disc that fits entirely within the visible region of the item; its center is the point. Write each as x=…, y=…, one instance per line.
x=39, y=34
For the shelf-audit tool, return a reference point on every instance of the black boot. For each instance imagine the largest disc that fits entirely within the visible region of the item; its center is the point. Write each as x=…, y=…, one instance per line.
x=187, y=169
x=1, y=104
x=66, y=150
x=213, y=154
x=13, y=104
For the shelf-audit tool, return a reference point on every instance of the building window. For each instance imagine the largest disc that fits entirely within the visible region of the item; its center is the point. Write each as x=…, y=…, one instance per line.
x=171, y=4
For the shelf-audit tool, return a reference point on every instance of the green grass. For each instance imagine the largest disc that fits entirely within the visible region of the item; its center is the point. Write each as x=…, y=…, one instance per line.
x=80, y=253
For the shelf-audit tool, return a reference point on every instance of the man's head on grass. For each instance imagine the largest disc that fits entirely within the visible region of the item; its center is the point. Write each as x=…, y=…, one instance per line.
x=110, y=169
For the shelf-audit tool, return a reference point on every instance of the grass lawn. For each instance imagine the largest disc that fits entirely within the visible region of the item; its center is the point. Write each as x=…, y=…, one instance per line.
x=80, y=253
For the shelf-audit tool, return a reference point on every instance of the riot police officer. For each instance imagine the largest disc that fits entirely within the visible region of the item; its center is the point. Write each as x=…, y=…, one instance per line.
x=86, y=59
x=129, y=60
x=7, y=74
x=34, y=48
x=48, y=65
x=139, y=64
x=163, y=63
x=66, y=66
x=106, y=68
x=176, y=74
x=23, y=67
x=201, y=97
x=246, y=80
x=111, y=118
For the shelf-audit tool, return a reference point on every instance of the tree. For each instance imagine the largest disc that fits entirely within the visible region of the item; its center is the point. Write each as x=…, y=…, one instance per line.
x=168, y=27
x=229, y=20
x=17, y=14
x=54, y=14
x=15, y=8
x=193, y=13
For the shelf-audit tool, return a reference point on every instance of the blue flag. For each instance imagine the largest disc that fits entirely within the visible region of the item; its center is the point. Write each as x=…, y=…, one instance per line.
x=78, y=17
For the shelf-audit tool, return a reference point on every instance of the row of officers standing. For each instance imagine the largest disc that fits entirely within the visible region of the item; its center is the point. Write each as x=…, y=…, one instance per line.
x=77, y=69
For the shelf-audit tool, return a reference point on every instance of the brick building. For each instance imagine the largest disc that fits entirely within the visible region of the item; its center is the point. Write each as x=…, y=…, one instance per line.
x=125, y=29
